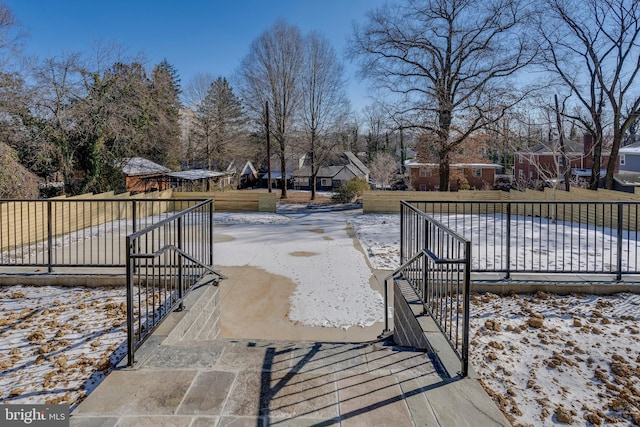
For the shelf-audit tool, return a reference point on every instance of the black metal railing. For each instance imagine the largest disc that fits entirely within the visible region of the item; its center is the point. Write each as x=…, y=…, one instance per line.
x=438, y=269
x=537, y=236
x=164, y=261
x=76, y=232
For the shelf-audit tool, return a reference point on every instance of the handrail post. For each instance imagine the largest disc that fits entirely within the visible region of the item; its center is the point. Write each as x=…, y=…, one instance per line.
x=386, y=306
x=211, y=210
x=49, y=237
x=180, y=278
x=130, y=321
x=466, y=309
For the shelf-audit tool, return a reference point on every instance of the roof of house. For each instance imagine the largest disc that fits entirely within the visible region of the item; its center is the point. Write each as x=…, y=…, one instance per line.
x=354, y=160
x=630, y=149
x=139, y=166
x=248, y=169
x=411, y=163
x=629, y=179
x=348, y=172
x=570, y=146
x=196, y=174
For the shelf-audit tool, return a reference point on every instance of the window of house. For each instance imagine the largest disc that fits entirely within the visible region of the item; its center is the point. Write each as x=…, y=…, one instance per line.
x=325, y=182
x=302, y=182
x=531, y=175
x=425, y=172
x=477, y=173
x=520, y=174
x=423, y=187
x=622, y=159
x=520, y=159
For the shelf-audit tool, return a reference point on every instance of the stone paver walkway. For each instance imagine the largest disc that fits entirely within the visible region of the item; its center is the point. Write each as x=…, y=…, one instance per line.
x=255, y=383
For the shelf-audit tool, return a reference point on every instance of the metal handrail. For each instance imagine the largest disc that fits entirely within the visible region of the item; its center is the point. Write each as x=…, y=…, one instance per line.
x=132, y=343
x=435, y=286
x=162, y=285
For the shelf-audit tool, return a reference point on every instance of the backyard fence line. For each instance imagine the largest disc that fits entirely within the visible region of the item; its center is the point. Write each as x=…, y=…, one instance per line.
x=76, y=232
x=540, y=236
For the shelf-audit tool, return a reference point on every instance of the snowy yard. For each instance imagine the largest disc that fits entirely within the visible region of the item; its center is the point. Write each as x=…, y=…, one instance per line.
x=545, y=359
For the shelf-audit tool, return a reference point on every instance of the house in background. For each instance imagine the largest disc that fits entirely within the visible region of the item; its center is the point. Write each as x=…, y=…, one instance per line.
x=426, y=176
x=248, y=176
x=345, y=168
x=539, y=164
x=143, y=175
x=627, y=178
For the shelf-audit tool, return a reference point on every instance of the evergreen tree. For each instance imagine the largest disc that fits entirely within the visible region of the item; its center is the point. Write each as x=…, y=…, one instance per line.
x=220, y=125
x=163, y=144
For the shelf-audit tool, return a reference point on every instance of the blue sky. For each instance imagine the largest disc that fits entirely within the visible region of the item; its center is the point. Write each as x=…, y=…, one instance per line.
x=195, y=36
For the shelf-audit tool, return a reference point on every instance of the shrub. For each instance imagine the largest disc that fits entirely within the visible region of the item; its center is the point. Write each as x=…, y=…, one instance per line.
x=349, y=191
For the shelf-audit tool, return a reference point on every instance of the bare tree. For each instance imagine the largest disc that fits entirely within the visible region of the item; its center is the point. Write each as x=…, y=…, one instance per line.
x=11, y=35
x=375, y=118
x=196, y=89
x=592, y=46
x=383, y=169
x=447, y=60
x=324, y=103
x=60, y=86
x=270, y=73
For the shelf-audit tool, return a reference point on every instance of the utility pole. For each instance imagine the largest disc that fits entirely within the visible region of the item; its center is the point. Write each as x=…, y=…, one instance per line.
x=266, y=113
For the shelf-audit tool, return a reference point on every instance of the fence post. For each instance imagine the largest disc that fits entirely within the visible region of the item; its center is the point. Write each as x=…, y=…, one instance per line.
x=619, y=241
x=508, y=237
x=402, y=233
x=134, y=214
x=49, y=238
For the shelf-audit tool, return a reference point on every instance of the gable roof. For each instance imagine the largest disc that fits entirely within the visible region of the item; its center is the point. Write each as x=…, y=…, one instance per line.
x=248, y=169
x=570, y=146
x=413, y=164
x=139, y=166
x=354, y=160
x=630, y=149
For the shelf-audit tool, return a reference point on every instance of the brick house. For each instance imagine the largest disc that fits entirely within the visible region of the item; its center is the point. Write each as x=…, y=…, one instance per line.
x=538, y=164
x=426, y=176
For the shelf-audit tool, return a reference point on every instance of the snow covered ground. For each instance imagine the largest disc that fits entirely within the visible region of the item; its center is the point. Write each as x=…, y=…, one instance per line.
x=545, y=359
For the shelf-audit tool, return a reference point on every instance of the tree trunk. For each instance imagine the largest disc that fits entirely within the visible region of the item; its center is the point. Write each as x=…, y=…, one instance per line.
x=314, y=172
x=613, y=158
x=283, y=171
x=444, y=171
x=597, y=162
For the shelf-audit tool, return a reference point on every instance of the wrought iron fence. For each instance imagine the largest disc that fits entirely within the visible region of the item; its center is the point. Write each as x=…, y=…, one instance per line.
x=164, y=261
x=76, y=232
x=439, y=271
x=537, y=236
